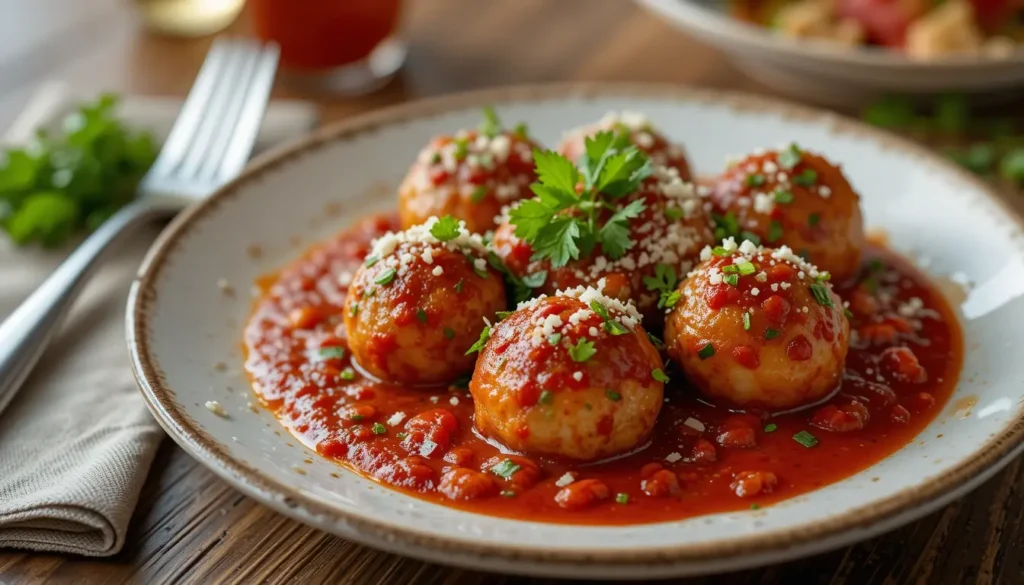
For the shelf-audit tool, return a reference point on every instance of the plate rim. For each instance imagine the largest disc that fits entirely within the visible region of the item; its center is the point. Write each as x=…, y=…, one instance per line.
x=308, y=508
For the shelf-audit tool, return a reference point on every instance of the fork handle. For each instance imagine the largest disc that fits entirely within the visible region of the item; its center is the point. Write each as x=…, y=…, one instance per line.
x=28, y=330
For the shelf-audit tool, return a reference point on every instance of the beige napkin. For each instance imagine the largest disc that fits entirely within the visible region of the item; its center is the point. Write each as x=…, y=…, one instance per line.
x=77, y=441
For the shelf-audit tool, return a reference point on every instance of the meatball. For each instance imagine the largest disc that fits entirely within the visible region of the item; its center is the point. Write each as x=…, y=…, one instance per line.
x=758, y=328
x=418, y=302
x=572, y=375
x=470, y=176
x=633, y=128
x=795, y=198
x=668, y=236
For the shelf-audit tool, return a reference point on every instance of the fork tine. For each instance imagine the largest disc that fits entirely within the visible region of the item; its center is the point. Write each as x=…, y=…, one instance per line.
x=251, y=115
x=216, y=111
x=192, y=111
x=225, y=125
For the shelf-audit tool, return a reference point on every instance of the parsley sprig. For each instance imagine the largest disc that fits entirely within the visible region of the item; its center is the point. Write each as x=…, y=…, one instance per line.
x=562, y=224
x=664, y=283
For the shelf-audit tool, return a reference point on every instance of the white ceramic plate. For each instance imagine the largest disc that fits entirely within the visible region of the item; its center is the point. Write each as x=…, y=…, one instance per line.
x=181, y=323
x=824, y=72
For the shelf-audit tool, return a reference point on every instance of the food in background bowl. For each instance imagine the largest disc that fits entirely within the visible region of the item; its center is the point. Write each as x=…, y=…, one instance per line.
x=922, y=29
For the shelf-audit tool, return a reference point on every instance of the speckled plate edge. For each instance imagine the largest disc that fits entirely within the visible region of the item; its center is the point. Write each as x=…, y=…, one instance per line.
x=843, y=528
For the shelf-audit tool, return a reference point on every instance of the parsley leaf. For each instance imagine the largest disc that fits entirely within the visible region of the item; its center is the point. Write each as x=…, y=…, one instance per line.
x=664, y=282
x=446, y=229
x=582, y=351
x=491, y=125
x=614, y=234
x=555, y=171
x=485, y=336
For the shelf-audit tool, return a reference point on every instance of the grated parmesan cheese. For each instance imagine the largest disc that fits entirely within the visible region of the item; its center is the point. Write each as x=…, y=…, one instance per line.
x=565, y=480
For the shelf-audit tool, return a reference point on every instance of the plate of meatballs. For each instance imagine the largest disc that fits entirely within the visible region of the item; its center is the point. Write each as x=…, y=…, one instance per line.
x=592, y=331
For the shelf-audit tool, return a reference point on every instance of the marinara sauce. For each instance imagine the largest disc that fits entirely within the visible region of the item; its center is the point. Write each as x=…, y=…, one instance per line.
x=904, y=359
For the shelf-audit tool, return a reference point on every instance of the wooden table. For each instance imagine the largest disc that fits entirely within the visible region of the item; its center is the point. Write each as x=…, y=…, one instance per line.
x=190, y=526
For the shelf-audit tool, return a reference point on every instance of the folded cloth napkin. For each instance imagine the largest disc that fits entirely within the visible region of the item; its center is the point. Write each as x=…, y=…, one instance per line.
x=77, y=441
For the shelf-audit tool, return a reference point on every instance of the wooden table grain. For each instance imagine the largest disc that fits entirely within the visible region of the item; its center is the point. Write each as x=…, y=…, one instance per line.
x=192, y=527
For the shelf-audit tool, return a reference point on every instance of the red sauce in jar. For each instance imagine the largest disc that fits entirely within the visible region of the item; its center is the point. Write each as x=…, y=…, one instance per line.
x=904, y=360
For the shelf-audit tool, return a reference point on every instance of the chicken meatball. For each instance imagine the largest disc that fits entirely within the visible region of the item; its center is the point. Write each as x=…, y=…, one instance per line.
x=794, y=198
x=668, y=236
x=759, y=328
x=631, y=128
x=416, y=304
x=572, y=375
x=471, y=176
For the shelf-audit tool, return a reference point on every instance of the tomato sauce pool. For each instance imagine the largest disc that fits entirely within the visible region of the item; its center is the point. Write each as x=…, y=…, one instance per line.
x=904, y=360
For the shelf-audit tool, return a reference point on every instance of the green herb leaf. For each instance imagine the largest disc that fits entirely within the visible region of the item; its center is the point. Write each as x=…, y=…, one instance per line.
x=353, y=310
x=731, y=279
x=783, y=197
x=521, y=130
x=379, y=429
x=659, y=375
x=485, y=335
x=771, y=427
x=449, y=333
x=806, y=439
x=613, y=395
x=774, y=231
x=421, y=315
x=546, y=397
x=370, y=261
x=329, y=353
x=614, y=234
x=726, y=225
x=458, y=286
x=621, y=498
x=820, y=292
x=667, y=301
x=754, y=180
x=746, y=321
x=706, y=351
x=386, y=277
x=348, y=374
x=491, y=125
x=673, y=213
x=978, y=158
x=1011, y=167
x=806, y=178
x=535, y=280
x=770, y=333
x=478, y=194
x=746, y=268
x=506, y=469
x=790, y=157
x=582, y=351
x=554, y=338
x=664, y=283
x=356, y=418
x=813, y=219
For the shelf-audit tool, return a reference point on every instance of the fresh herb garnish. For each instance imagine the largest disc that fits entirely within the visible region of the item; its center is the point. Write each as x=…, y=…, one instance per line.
x=746, y=321
x=521, y=130
x=783, y=196
x=771, y=427
x=445, y=229
x=561, y=224
x=449, y=333
x=706, y=351
x=613, y=395
x=478, y=194
x=848, y=313
x=754, y=180
x=790, y=157
x=770, y=333
x=356, y=417
x=820, y=292
x=535, y=280
x=746, y=268
x=328, y=353
x=546, y=397
x=421, y=315
x=554, y=338
x=353, y=310
x=74, y=179
x=507, y=493
x=731, y=279
x=610, y=325
x=506, y=469
x=806, y=178
x=774, y=231
x=582, y=351
x=813, y=219
x=664, y=283
x=659, y=375
x=502, y=315
x=348, y=374
x=379, y=429
x=806, y=439
x=485, y=335
x=622, y=498
x=491, y=125
x=673, y=213
x=386, y=277
x=370, y=261
x=726, y=225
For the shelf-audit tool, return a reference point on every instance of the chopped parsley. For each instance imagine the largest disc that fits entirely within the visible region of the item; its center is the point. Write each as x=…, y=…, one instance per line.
x=848, y=313
x=731, y=279
x=485, y=335
x=726, y=225
x=507, y=494
x=622, y=498
x=561, y=224
x=782, y=196
x=755, y=507
x=386, y=277
x=370, y=261
x=355, y=417
x=401, y=435
x=790, y=157
x=506, y=469
x=746, y=268
x=478, y=194
x=353, y=310
x=379, y=429
x=458, y=286
x=582, y=351
x=328, y=353
x=521, y=130
x=706, y=351
x=770, y=333
x=754, y=180
x=746, y=321
x=449, y=333
x=613, y=395
x=806, y=178
x=659, y=375
x=673, y=213
x=502, y=315
x=610, y=325
x=554, y=338
x=461, y=148
x=421, y=315
x=771, y=427
x=806, y=439
x=546, y=397
x=491, y=125
x=813, y=219
x=774, y=231
x=446, y=229
x=664, y=283
x=820, y=292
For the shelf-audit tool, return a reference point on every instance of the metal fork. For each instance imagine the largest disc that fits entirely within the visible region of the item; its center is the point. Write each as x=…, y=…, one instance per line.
x=208, y=145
